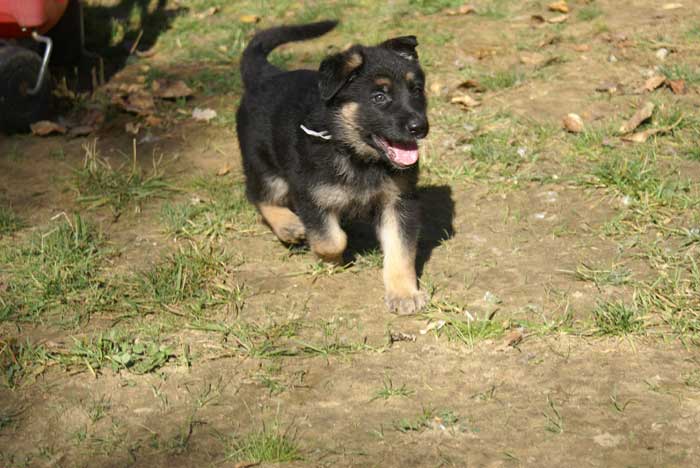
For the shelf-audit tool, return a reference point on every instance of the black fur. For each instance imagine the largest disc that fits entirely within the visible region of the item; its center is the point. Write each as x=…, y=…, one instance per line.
x=286, y=167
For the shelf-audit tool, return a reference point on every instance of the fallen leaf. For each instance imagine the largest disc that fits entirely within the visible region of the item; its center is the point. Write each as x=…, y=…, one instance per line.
x=203, y=115
x=672, y=6
x=138, y=102
x=249, y=19
x=245, y=464
x=80, y=130
x=401, y=336
x=641, y=137
x=225, y=169
x=662, y=53
x=560, y=6
x=465, y=101
x=463, y=10
x=513, y=338
x=653, y=82
x=93, y=118
x=532, y=58
x=208, y=12
x=582, y=47
x=642, y=114
x=573, y=123
x=558, y=19
x=153, y=121
x=677, y=86
x=46, y=127
x=437, y=88
x=473, y=85
x=132, y=128
x=165, y=89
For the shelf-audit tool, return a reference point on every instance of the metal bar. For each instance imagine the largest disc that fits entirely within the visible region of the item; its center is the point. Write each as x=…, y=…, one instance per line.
x=44, y=64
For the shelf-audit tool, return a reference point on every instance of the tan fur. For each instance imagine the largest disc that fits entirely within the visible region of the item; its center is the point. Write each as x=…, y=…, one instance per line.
x=348, y=199
x=330, y=245
x=349, y=131
x=284, y=223
x=382, y=82
x=399, y=259
x=277, y=190
x=410, y=76
x=354, y=61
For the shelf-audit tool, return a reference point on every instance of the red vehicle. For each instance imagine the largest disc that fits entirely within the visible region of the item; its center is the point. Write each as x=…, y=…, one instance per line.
x=29, y=29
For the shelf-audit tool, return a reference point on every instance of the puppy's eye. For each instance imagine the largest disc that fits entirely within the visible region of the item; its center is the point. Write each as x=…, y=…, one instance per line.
x=417, y=89
x=379, y=98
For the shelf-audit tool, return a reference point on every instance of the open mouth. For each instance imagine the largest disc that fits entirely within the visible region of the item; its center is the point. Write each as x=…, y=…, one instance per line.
x=401, y=154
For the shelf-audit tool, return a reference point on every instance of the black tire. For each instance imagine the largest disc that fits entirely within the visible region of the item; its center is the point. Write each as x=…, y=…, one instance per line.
x=68, y=36
x=19, y=70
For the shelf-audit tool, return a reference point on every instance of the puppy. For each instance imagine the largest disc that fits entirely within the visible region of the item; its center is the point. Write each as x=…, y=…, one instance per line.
x=323, y=146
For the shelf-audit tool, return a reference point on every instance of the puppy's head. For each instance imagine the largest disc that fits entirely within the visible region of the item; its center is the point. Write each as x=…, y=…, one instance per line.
x=378, y=97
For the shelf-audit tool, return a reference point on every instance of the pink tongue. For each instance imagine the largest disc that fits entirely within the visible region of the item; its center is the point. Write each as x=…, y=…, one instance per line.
x=404, y=155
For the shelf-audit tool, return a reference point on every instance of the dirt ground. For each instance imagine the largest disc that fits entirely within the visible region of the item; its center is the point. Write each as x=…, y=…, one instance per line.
x=562, y=267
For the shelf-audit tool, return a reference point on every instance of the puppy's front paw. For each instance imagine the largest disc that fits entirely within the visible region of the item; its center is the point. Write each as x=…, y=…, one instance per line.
x=402, y=305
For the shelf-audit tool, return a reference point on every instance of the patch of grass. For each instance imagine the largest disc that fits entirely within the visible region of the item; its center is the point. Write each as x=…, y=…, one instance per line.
x=221, y=207
x=98, y=184
x=495, y=9
x=117, y=350
x=693, y=33
x=452, y=321
x=639, y=177
x=554, y=421
x=9, y=221
x=433, y=6
x=371, y=259
x=502, y=79
x=688, y=73
x=428, y=418
x=268, y=445
x=589, y=12
x=57, y=271
x=97, y=408
x=19, y=361
x=216, y=81
x=191, y=277
x=617, y=318
x=388, y=390
x=615, y=276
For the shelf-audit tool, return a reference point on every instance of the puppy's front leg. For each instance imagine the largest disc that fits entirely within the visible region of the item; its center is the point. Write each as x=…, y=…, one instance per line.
x=326, y=238
x=398, y=234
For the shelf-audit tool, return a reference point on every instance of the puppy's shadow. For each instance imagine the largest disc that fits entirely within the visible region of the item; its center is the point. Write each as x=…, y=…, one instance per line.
x=438, y=211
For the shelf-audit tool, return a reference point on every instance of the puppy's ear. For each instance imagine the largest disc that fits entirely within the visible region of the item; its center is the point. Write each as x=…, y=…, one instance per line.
x=405, y=46
x=337, y=70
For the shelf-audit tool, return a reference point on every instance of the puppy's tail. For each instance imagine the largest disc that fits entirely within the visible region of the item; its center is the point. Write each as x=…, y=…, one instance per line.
x=254, y=64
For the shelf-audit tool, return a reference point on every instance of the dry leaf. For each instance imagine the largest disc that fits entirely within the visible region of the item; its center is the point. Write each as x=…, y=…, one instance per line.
x=532, y=58
x=165, y=89
x=608, y=87
x=465, y=101
x=463, y=10
x=573, y=123
x=245, y=464
x=641, y=137
x=203, y=115
x=677, y=86
x=437, y=88
x=132, y=128
x=557, y=19
x=224, y=170
x=153, y=121
x=672, y=6
x=80, y=130
x=473, y=85
x=640, y=116
x=560, y=6
x=653, y=82
x=249, y=19
x=582, y=47
x=208, y=12
x=515, y=337
x=46, y=127
x=401, y=336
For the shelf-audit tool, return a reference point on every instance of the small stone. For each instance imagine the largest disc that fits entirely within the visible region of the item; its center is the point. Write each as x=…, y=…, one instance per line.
x=662, y=53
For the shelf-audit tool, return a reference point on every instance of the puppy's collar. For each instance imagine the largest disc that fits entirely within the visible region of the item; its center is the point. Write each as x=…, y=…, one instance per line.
x=323, y=134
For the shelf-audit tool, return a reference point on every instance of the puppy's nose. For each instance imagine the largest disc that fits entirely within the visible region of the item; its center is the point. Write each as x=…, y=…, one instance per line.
x=418, y=127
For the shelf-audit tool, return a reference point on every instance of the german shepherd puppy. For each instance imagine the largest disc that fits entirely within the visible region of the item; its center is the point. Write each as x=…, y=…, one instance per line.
x=323, y=146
